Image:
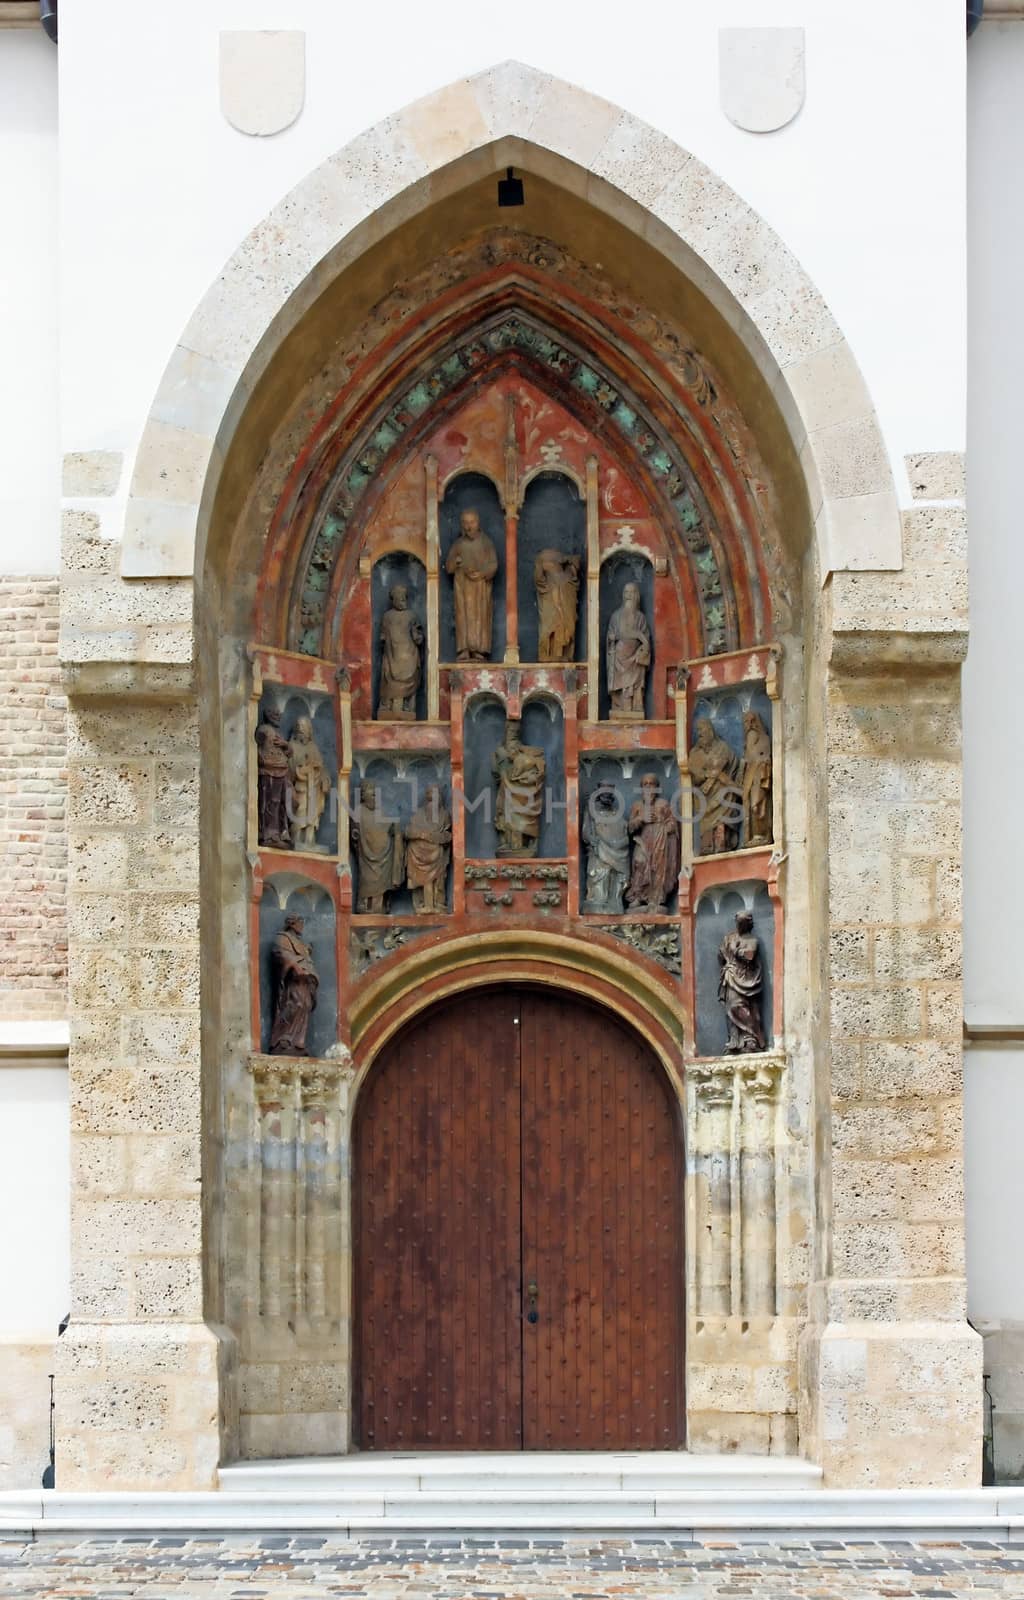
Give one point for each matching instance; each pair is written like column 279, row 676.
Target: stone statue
column 757, row 781
column 606, row 837
column 655, row 834
column 311, row 784
column 273, row 781
column 401, row 641
column 628, row 655
column 556, row 578
column 380, row 853
column 519, row 770
column 472, row 563
column 428, row 850
column 715, row 772
column 295, row 986
column 741, row 986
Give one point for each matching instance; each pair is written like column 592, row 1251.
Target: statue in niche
column 295, row 985
column 401, row 641
column 556, row 578
column 655, row 833
column 428, row 850
column 380, row 853
column 628, row 655
column 273, row 781
column 519, row 770
column 472, row 563
column 310, row 783
column 757, row 781
column 715, row 772
column 606, row 836
column 741, row 987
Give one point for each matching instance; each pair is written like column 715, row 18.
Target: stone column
column 713, row 1188
column 139, row 1371
column 891, row 1372
column 759, row 1091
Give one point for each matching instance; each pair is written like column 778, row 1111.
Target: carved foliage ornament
column 659, row 943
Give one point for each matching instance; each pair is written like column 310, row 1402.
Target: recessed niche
column 484, row 732
column 294, row 704
column 618, row 569
column 553, row 517
column 471, row 491
column 725, row 710
column 401, row 781
column 285, row 895
column 398, row 569
column 625, row 773
column 716, row 916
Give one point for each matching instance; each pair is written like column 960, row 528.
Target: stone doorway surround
column 890, row 1372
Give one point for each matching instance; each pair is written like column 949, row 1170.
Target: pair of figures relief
column 292, row 784
column 735, row 791
column 634, row 856
column 388, row 856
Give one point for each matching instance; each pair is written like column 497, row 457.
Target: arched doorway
column 518, row 1236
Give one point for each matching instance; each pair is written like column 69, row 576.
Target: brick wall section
column 33, row 783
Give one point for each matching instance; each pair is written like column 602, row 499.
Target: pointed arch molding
column 434, row 147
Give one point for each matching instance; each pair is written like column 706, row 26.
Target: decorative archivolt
column 657, row 412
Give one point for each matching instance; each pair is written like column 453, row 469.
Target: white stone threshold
column 748, row 1499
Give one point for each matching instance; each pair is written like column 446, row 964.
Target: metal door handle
column 532, row 1314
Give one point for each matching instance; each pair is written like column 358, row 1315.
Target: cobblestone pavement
column 285, row 1567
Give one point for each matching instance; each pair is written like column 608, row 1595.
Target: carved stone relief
column 556, row 579
column 627, row 656
column 714, row 770
column 401, row 668
column 428, row 853
column 310, row 785
column 296, row 984
column 297, row 972
column 472, row 563
column 273, row 781
column 606, row 837
column 730, row 763
column 380, row 852
column 741, row 987
column 519, row 772
column 757, row 781
column 734, row 952
column 654, row 874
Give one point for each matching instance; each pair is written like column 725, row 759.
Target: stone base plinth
column 25, row 1369
column 139, row 1405
column 892, row 1405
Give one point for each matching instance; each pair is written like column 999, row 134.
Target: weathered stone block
column 89, row 473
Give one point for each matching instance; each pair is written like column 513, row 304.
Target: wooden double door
column 517, row 1207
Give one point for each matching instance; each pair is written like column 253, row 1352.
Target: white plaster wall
column 994, row 674
column 994, row 678
column 29, row 443
column 866, row 185
column 994, row 1121
column 34, row 1201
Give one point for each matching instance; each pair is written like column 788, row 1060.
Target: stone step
column 625, row 1472
column 699, row 1513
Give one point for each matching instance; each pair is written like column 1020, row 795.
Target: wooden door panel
column 508, row 1138
column 436, row 1212
column 602, row 1202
